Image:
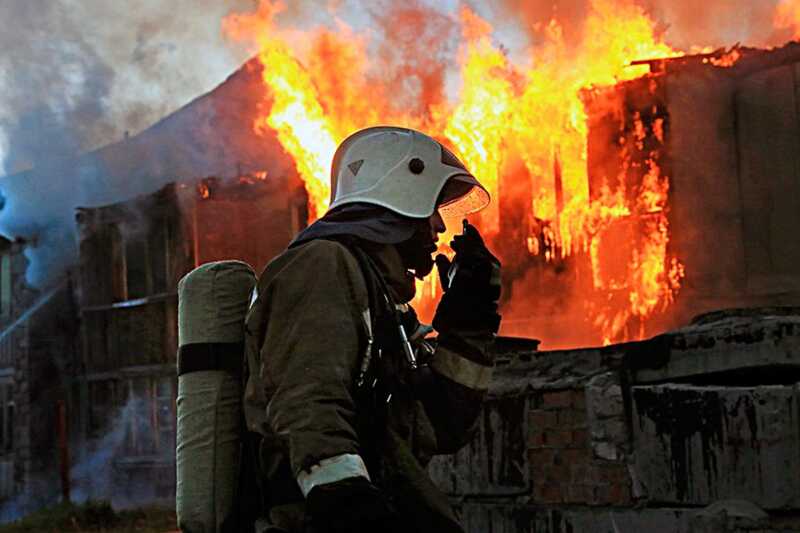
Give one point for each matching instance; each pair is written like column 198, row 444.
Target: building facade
column 38, row 364
column 132, row 255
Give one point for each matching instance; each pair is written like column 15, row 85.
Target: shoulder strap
column 381, row 303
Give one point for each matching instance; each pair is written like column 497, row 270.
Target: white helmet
column 405, row 171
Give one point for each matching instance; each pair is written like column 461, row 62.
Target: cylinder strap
column 226, row 356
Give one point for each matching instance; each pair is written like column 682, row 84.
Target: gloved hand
column 350, row 505
column 470, row 298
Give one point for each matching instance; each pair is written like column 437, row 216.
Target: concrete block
column 606, row 450
column 696, row 445
column 483, row 517
column 605, row 410
column 729, row 515
column 757, row 340
column 496, row 460
column 578, row 519
column 604, row 396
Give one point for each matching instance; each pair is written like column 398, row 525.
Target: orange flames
column 787, row 15
column 326, row 87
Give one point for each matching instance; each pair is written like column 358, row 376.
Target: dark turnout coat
column 308, row 332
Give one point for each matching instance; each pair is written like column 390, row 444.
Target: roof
column 210, row 136
column 740, row 60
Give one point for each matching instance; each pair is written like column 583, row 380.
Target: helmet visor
column 461, row 196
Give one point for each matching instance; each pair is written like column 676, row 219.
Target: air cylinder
column 212, row 303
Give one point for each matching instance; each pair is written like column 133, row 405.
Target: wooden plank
column 704, row 193
column 769, row 162
column 5, row 286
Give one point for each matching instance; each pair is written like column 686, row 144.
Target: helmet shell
column 405, row 171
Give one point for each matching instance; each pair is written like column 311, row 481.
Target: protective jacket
column 309, row 331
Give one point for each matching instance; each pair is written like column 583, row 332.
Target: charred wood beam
column 137, row 302
column 133, row 372
column 29, row 313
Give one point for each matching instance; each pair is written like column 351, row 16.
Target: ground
column 94, row 517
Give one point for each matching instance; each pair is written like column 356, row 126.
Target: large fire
column 787, row 15
column 511, row 123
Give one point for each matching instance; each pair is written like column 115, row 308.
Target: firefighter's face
column 418, row 251
column 437, row 226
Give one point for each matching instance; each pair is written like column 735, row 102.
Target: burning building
column 692, row 185
column 88, row 365
column 629, row 199
column 695, row 429
column 722, row 123
column 132, row 255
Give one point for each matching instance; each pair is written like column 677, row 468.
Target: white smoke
column 92, row 476
column 78, row 74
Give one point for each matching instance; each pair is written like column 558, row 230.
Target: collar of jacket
column 400, row 282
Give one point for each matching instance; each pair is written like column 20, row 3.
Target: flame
column 477, row 125
column 311, row 111
column 787, row 15
column 203, row 191
column 323, row 92
column 727, row 59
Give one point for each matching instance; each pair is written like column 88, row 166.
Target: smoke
column 686, row 25
column 79, row 74
column 92, row 477
column 38, row 494
column 416, row 41
column 95, row 475
column 718, row 23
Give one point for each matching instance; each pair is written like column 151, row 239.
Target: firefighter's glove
column 471, row 284
column 350, row 505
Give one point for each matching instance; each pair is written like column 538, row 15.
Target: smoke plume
column 686, row 25
column 92, row 476
column 76, row 75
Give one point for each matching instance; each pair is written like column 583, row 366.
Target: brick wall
column 566, row 444
column 564, row 465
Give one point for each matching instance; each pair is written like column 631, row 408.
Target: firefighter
column 347, row 395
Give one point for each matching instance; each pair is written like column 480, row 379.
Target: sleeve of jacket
column 462, row 365
column 312, row 348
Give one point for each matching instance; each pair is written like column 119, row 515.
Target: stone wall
column 662, row 435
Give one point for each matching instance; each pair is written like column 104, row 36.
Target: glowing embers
column 728, row 59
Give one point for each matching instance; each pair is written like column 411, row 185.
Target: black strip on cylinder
column 211, row 356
